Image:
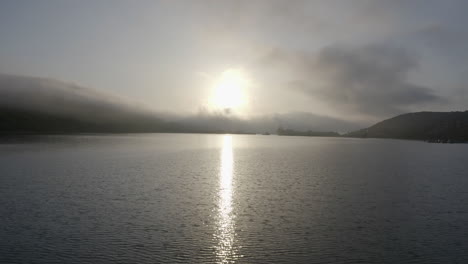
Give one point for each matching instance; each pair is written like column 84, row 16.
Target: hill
column 446, row 127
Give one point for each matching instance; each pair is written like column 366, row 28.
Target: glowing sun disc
column 229, row 92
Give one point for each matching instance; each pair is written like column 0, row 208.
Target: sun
column 230, row 90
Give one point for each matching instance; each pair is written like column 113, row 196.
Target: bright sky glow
column 230, row 90
column 270, row 56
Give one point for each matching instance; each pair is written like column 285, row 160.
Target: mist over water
column 164, row 198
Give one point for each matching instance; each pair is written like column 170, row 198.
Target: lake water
column 164, row 198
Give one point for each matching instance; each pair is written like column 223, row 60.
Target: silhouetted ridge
column 428, row 126
column 28, row 121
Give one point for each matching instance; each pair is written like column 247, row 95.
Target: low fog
column 59, row 104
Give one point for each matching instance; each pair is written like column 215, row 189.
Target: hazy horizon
column 358, row 62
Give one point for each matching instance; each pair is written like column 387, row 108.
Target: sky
column 354, row 60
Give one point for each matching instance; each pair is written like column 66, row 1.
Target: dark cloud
column 372, row 80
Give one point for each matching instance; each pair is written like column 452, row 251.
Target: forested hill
column 447, row 127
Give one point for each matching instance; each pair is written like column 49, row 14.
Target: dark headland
column 440, row 127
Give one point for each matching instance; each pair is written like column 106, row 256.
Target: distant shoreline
column 17, row 137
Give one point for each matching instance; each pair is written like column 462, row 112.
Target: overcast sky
column 354, row 60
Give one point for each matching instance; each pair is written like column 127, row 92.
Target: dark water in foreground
column 223, row 199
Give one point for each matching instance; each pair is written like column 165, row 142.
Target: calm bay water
column 162, row 198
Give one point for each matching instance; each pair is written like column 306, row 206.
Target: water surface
column 163, row 198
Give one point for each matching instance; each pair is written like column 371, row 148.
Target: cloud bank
column 371, row 80
column 62, row 100
column 353, row 60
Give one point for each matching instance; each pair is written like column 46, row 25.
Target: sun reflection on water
column 225, row 225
